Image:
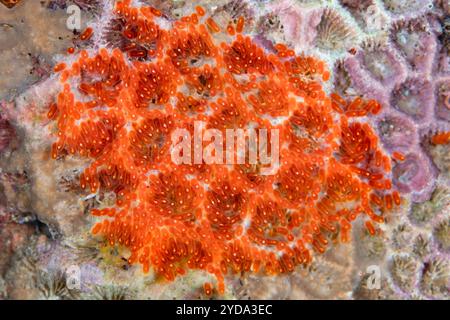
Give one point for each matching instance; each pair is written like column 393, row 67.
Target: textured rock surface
column 394, row 51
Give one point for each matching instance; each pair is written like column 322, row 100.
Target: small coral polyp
column 118, row 108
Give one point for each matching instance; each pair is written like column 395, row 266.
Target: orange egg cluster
column 441, row 138
column 119, row 107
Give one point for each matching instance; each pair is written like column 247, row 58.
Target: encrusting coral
column 118, row 107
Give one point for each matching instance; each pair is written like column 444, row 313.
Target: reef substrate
column 119, row 106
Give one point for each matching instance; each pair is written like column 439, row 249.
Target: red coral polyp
column 119, row 107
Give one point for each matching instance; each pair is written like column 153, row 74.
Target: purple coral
column 363, row 81
column 383, row 63
column 443, row 99
column 415, row 174
column 416, row 44
column 299, row 24
column 414, row 97
column 396, row 131
column 407, row 7
column 404, row 73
